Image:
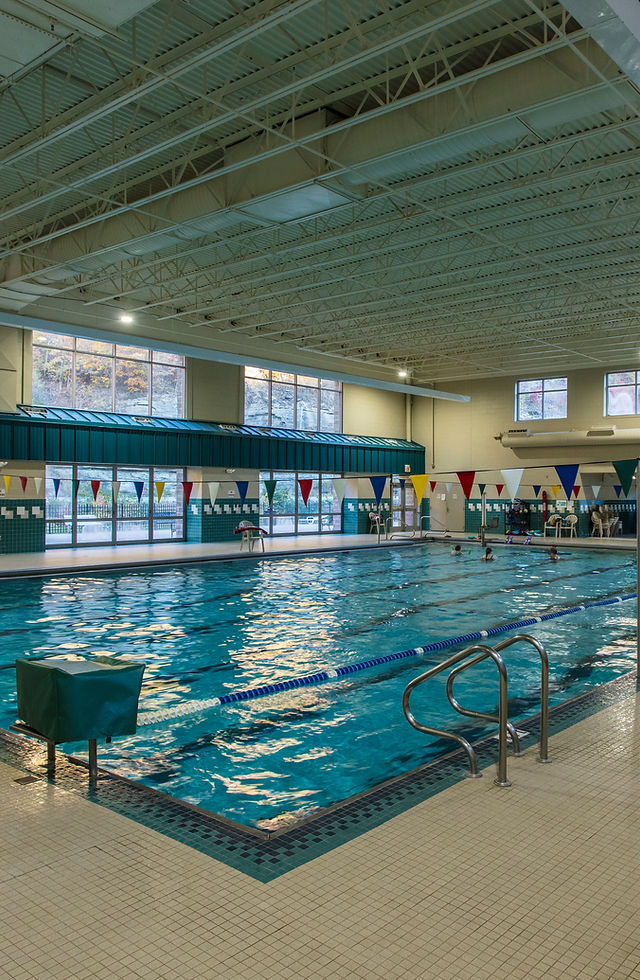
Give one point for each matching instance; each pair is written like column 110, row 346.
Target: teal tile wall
column 624, row 509
column 207, row 522
column 355, row 520
column 21, row 525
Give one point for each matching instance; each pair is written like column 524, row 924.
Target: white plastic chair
column 554, row 522
column 569, row 525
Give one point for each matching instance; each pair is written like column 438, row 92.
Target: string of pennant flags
column 567, row 475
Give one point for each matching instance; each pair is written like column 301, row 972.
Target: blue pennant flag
column 536, row 488
column 567, row 476
column 139, row 485
column 243, row 486
column 378, row 482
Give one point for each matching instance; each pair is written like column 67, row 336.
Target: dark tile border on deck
column 265, row 856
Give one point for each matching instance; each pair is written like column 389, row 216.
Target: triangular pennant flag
column 401, row 481
column 576, row 490
column 305, row 489
column 466, row 478
column 37, row 482
column 617, row 488
column 419, row 482
column 448, row 486
column 115, row 489
column 76, row 487
column 377, row 482
column 95, row 486
column 482, row 487
column 56, row 486
column 23, row 482
column 243, row 486
column 340, row 487
column 187, row 487
column 7, row 482
column 554, row 490
column 433, row 484
column 595, row 490
column 567, row 476
column 512, row 479
column 139, row 487
column 213, row 492
column 536, row 488
column 499, row 488
column 625, row 468
column 160, row 485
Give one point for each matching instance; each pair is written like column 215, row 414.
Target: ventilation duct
column 522, row 438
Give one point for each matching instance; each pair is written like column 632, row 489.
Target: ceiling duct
column 521, row 438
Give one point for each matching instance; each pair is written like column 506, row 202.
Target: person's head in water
column 488, row 555
column 553, row 553
column 457, row 550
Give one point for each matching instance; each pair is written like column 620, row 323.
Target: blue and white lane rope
column 195, row 707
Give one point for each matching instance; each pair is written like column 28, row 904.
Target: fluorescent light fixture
column 125, row 318
column 402, row 374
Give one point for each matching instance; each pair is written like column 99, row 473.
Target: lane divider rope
column 186, row 708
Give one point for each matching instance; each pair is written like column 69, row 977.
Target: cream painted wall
column 463, row 436
column 15, row 368
column 215, row 391
column 373, row 412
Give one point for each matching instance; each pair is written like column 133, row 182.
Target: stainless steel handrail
column 501, row 778
column 544, row 693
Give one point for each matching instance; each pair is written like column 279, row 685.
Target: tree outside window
column 542, row 398
column 71, row 372
column 280, row 400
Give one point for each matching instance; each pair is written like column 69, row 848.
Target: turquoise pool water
column 205, row 630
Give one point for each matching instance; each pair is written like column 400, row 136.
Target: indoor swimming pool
column 210, row 629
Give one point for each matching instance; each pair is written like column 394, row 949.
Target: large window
column 70, row 372
column 544, row 398
column 290, row 515
column 622, row 393
column 126, row 508
column 291, row 401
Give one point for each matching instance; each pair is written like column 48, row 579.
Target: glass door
column 93, row 505
column 404, row 503
column 133, row 516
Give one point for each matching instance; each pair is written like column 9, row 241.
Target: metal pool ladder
column 463, row 661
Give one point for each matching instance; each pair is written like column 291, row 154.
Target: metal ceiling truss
column 414, row 183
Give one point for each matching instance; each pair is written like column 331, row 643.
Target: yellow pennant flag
column 7, row 481
column 420, row 481
column 555, row 490
column 160, row 485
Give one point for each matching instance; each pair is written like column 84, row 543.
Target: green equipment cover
column 77, row 700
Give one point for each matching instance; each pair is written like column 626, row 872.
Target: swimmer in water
column 457, row 551
column 488, row 555
column 553, row 553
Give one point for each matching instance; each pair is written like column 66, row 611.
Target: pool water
column 209, row 629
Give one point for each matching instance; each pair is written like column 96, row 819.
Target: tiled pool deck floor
column 471, row 881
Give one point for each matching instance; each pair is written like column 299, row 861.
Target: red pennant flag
column 576, row 490
column 499, row 488
column 305, row 489
column 95, row 486
column 432, row 484
column 466, row 478
column 23, row 481
column 187, row 486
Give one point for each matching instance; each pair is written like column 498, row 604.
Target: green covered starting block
column 76, row 700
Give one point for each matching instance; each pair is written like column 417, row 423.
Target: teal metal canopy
column 64, row 435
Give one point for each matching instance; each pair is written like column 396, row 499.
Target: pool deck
column 130, row 556
column 538, row 880
column 474, row 882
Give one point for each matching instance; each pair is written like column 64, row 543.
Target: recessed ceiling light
column 402, row 374
column 125, row 318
